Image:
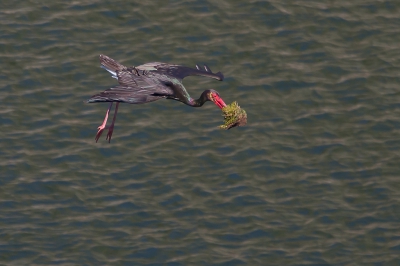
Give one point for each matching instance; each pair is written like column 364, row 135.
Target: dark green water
column 313, row 179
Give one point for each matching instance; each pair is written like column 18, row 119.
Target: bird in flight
column 148, row 83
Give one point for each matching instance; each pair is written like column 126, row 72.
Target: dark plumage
column 151, row 82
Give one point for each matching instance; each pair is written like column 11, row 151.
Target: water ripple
column 312, row 178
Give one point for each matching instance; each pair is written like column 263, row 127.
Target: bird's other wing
column 155, row 84
column 129, row 79
column 111, row 65
column 180, row 72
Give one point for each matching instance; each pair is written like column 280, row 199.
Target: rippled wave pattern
column 313, row 179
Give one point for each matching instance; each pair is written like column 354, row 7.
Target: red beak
column 218, row 101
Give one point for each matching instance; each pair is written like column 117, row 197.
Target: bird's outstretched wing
column 180, row 72
column 176, row 71
column 133, row 89
column 133, row 95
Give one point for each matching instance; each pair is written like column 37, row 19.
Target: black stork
column 151, row 82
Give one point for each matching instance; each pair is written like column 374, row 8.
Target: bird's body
column 151, row 82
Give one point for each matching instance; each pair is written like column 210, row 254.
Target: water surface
column 311, row 180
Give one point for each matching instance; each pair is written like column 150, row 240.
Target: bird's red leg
column 103, row 126
column 111, row 128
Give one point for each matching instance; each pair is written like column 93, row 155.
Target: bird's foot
column 110, row 132
column 100, row 130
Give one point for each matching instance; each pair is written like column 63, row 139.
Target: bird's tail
column 111, row 65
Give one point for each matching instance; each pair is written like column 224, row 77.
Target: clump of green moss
column 234, row 116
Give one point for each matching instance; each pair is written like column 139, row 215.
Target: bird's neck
column 200, row 101
column 196, row 103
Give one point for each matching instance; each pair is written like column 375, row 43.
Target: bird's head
column 213, row 95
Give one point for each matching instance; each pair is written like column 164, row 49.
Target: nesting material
column 234, row 116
